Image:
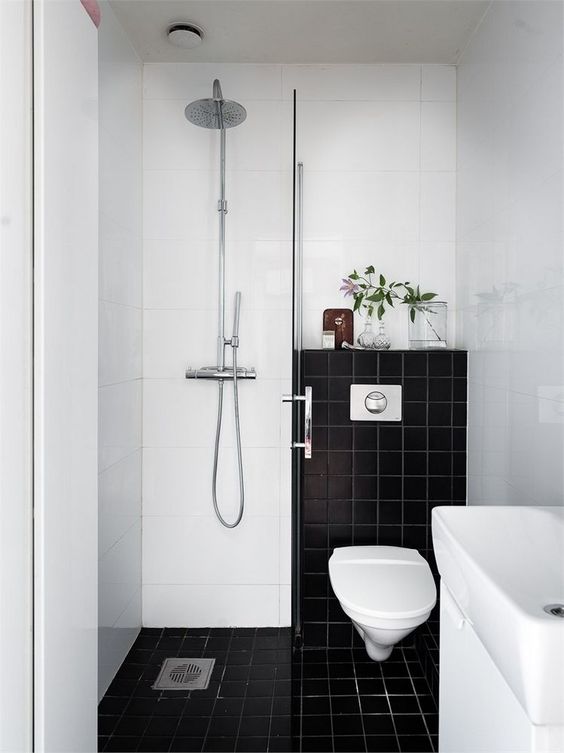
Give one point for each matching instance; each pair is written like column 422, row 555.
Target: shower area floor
column 263, row 696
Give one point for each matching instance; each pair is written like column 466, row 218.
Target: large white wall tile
column 381, row 207
column 199, row 550
column 438, row 136
column 380, row 135
column 120, row 332
column 119, row 494
column 355, row 83
column 438, row 207
column 194, row 81
column 177, row 481
column 438, row 83
column 121, row 272
column 219, row 605
column 183, row 205
column 119, row 417
column 178, row 274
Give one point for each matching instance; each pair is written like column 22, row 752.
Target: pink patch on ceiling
column 93, row 10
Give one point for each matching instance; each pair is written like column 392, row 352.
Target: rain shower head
column 216, row 112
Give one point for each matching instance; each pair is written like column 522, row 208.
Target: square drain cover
column 184, row 674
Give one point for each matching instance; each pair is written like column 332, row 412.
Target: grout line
column 417, row 699
column 358, row 698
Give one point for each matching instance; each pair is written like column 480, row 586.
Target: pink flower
column 349, row 287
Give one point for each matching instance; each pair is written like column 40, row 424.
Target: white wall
column 65, row 381
column 195, row 572
column 120, row 347
column 510, row 285
column 16, row 363
column 378, row 147
column 379, row 150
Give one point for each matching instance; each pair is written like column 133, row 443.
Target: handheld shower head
column 216, row 113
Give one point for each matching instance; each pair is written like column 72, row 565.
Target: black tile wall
column 376, row 483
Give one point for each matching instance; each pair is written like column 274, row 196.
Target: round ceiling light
column 185, row 35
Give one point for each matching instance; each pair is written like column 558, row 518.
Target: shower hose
column 238, row 441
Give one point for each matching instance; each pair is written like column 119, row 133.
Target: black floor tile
column 322, row 744
column 415, row 744
column 252, row 744
column 382, row 744
column 350, row 744
column 151, row 744
column 252, row 726
column 122, row 744
column 187, row 744
column 347, row 724
column 410, row 724
column 264, row 698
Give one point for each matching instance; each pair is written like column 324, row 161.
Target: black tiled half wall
column 377, row 482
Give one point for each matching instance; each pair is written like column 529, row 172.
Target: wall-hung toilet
column 387, row 591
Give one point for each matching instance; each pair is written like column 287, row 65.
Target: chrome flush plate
column 375, row 402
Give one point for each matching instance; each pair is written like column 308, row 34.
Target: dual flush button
column 375, row 402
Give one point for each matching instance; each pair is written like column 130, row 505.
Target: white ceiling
column 305, row 31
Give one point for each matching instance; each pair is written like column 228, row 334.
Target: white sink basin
column 503, row 565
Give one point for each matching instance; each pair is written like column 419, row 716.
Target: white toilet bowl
column 387, row 591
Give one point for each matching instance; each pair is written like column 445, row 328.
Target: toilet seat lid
column 382, row 581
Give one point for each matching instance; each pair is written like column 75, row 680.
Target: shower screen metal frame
column 298, row 407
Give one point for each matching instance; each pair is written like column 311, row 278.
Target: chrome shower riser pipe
column 222, row 209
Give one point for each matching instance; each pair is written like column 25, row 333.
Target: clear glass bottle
column 427, row 325
column 367, row 336
column 371, row 341
column 382, row 341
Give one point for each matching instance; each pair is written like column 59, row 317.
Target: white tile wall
column 509, row 252
column 378, row 147
column 120, row 348
column 379, row 150
column 196, row 572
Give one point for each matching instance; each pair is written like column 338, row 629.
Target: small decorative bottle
column 367, row 337
column 382, row 341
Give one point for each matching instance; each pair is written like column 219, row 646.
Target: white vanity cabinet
column 478, row 712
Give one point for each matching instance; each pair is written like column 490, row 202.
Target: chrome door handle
column 307, row 399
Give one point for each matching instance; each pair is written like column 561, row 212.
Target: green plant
column 375, row 297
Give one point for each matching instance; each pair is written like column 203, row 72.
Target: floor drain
column 556, row 610
column 184, row 674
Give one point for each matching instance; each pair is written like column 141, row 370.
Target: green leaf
column 382, row 280
column 353, row 276
column 389, row 299
column 412, row 314
column 376, row 297
column 428, row 296
column 369, row 270
column 381, row 311
column 357, row 302
column 370, row 310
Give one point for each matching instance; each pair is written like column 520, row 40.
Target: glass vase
column 427, row 325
